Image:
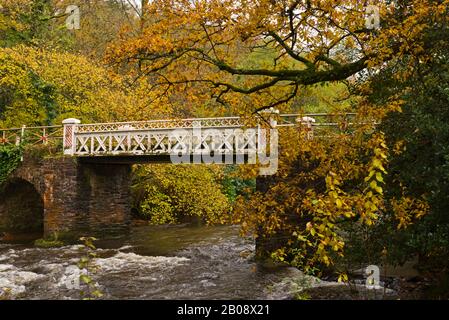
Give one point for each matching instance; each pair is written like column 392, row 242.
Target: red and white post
column 70, row 128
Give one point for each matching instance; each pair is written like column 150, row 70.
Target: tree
column 419, row 159
column 32, row 23
column 100, row 22
column 207, row 48
column 187, row 44
column 43, row 87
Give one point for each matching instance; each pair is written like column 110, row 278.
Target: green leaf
column 85, row 278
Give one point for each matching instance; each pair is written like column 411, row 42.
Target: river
column 153, row 262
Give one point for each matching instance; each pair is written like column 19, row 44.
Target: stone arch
column 21, row 208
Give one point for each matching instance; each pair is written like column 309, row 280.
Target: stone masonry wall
column 80, row 198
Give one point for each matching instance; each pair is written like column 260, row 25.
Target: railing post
column 19, row 139
column 307, row 124
column 70, row 128
column 262, row 139
column 44, row 136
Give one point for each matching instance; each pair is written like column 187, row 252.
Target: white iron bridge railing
column 225, row 135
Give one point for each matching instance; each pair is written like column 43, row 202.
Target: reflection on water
column 154, row 262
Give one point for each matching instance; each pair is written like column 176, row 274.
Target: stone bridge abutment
column 65, row 196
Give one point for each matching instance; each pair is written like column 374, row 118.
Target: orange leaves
column 214, row 45
column 235, row 57
column 406, row 209
column 324, row 184
column 399, row 147
column 372, row 197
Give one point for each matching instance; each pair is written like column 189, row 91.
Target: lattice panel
column 217, row 141
column 162, row 124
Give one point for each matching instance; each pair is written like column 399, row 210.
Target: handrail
column 36, row 127
column 44, row 134
column 287, row 115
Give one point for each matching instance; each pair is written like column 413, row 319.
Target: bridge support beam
column 78, row 199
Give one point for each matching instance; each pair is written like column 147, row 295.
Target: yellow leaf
column 339, row 203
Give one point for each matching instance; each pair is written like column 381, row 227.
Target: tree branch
column 290, row 52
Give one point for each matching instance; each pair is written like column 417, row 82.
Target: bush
column 234, row 185
column 10, row 157
column 157, row 207
column 175, row 193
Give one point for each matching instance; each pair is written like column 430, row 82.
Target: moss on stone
column 48, row 243
column 43, row 243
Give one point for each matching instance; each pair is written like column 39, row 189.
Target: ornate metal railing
column 225, row 122
column 192, row 136
column 199, row 135
column 155, row 142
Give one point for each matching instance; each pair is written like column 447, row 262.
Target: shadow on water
column 166, row 240
column 19, row 238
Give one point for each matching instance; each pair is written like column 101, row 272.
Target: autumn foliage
column 182, row 58
column 206, row 49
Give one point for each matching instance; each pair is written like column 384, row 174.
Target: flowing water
column 154, row 262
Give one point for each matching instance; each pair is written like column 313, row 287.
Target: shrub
column 10, row 157
column 172, row 193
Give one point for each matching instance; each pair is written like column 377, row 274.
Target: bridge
column 84, row 186
column 224, row 135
